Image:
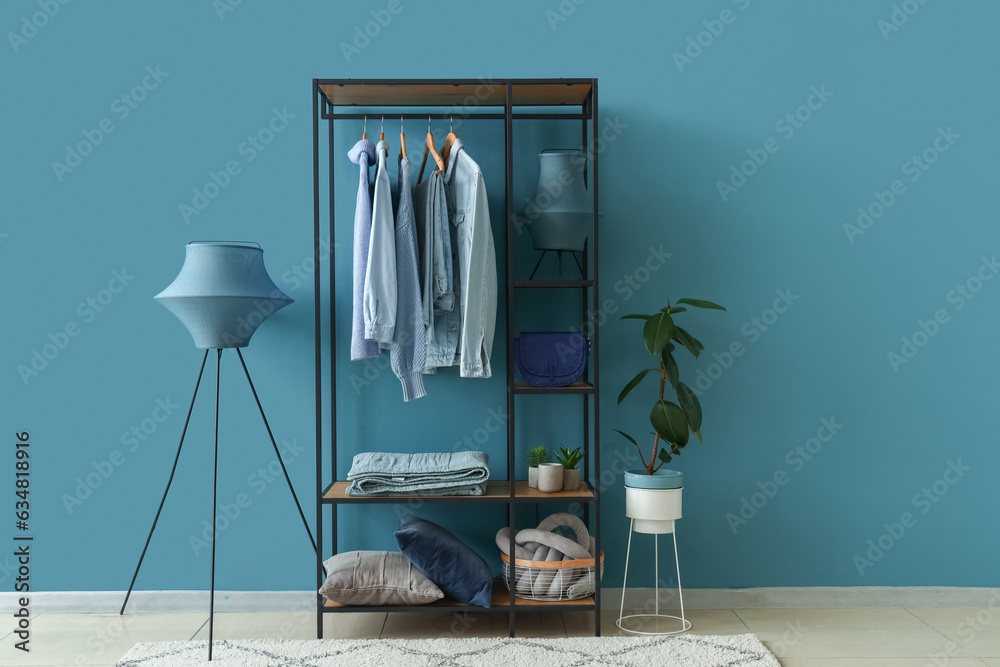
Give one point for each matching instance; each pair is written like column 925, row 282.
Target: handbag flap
column 551, row 358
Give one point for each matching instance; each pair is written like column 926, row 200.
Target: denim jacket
column 476, row 280
column 441, row 318
column 380, row 279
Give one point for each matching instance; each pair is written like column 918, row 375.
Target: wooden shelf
column 459, row 93
column 496, row 491
column 500, row 602
column 575, row 388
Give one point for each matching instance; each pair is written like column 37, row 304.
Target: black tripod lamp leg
column 169, row 482
column 215, row 479
column 278, row 453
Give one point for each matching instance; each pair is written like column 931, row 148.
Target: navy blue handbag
column 551, row 358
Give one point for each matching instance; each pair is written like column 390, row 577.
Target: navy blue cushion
column 444, row 559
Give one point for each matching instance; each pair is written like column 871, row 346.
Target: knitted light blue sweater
column 363, row 154
column 409, row 345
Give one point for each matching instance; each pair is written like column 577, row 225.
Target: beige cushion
column 377, row 578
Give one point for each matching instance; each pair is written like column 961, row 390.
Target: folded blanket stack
column 427, row 474
column 542, row 544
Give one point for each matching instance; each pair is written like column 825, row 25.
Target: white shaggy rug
column 687, row 651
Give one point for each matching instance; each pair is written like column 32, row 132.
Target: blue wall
column 881, row 100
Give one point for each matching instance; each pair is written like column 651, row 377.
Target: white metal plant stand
column 656, row 519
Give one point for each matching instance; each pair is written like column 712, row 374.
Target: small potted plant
column 536, row 457
column 653, row 495
column 571, row 473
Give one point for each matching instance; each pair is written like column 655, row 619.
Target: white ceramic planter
column 550, row 477
column 653, row 510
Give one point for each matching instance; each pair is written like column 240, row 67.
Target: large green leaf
column 689, row 403
column 657, row 332
column 701, row 303
column 636, row 317
column 669, row 421
column 626, row 436
column 633, row 383
column 670, row 366
column 693, row 345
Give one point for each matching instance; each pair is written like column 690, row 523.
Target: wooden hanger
column 402, row 138
column 429, row 148
column 448, row 141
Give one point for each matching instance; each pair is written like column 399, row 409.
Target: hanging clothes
column 362, row 154
column 476, row 277
column 380, row 278
column 408, row 351
column 437, row 262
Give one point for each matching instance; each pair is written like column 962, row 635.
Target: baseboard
column 107, row 602
column 825, row 597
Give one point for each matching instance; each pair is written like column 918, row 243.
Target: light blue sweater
column 409, row 346
column 363, row 154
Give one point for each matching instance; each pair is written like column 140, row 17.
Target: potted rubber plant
column 536, row 457
column 570, row 459
column 653, row 493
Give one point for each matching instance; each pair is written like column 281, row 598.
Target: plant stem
column 650, row 469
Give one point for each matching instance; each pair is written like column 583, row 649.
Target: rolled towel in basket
column 432, row 474
column 534, row 544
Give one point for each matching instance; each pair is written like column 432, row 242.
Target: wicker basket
column 552, row 580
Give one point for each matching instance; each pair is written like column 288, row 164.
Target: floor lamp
column 222, row 294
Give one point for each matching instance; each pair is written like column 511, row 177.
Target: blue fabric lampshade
column 223, row 293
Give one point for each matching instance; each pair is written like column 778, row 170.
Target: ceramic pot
column 653, row 502
column 532, row 477
column 560, row 215
column 571, row 479
column 550, row 477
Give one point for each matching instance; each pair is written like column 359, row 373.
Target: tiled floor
column 798, row 637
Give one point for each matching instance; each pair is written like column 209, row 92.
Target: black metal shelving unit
column 509, row 100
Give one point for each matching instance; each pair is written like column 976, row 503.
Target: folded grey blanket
column 432, row 474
